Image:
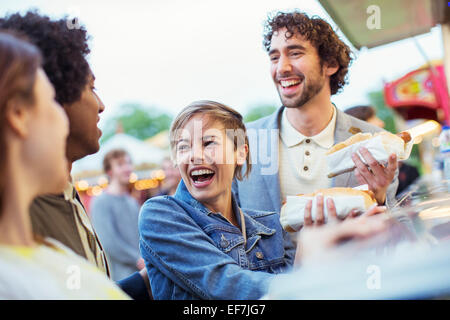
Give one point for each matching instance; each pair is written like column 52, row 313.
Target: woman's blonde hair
column 230, row 118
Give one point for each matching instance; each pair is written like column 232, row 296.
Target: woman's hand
column 372, row 211
column 140, row 264
column 314, row 241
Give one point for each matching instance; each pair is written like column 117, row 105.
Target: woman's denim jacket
column 193, row 253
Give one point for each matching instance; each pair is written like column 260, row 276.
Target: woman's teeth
column 202, row 175
column 201, row 172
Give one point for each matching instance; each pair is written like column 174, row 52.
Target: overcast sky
column 172, row 52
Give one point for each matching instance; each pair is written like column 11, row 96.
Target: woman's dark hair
column 361, row 112
column 19, row 62
column 63, row 49
column 330, row 48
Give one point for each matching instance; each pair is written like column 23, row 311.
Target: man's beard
column 311, row 89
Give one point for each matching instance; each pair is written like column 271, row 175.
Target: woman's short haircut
column 231, row 120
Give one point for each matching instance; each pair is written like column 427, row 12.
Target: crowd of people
column 214, row 235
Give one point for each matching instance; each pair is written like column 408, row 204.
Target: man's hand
column 377, row 176
column 320, row 215
column 332, row 214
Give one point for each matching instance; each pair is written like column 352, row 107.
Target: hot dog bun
column 369, row 197
column 353, row 139
column 389, row 140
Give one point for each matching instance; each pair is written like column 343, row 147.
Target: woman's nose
column 196, row 156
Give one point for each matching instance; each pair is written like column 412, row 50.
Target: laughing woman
column 198, row 244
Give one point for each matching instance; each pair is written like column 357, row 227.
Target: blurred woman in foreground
column 33, row 132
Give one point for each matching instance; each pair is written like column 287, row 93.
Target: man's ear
column 242, row 153
column 330, row 69
column 17, row 117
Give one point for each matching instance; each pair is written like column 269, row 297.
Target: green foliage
column 138, row 121
column 258, row 112
column 383, row 112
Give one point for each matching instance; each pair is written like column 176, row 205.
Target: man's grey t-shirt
column 115, row 219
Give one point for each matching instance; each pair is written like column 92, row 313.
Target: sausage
column 405, row 136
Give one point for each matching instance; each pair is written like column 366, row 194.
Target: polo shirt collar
column 291, row 137
column 69, row 192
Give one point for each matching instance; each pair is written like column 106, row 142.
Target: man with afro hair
column 63, row 216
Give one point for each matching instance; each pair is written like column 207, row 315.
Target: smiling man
column 308, row 64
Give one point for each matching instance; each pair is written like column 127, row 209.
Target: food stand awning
column 398, row 19
column 372, row 23
column 140, row 153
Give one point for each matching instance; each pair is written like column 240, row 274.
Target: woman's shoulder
column 49, row 271
column 160, row 202
column 260, row 213
column 162, row 208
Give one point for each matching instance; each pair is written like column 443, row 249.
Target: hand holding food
column 381, row 145
column 306, row 209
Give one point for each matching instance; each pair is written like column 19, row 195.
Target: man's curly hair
column 330, row 48
column 63, row 50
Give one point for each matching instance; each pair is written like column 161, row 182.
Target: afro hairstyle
column 63, row 50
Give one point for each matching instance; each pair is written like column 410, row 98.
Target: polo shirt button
column 307, row 153
column 259, row 255
column 308, row 140
column 305, row 168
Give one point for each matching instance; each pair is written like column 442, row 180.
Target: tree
column 138, row 121
column 258, row 112
column 385, row 113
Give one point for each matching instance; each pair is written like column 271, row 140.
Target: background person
column 33, row 132
column 172, row 178
column 365, row 113
column 115, row 216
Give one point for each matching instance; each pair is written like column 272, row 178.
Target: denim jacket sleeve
column 290, row 249
column 173, row 243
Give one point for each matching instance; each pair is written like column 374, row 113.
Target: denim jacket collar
column 253, row 227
